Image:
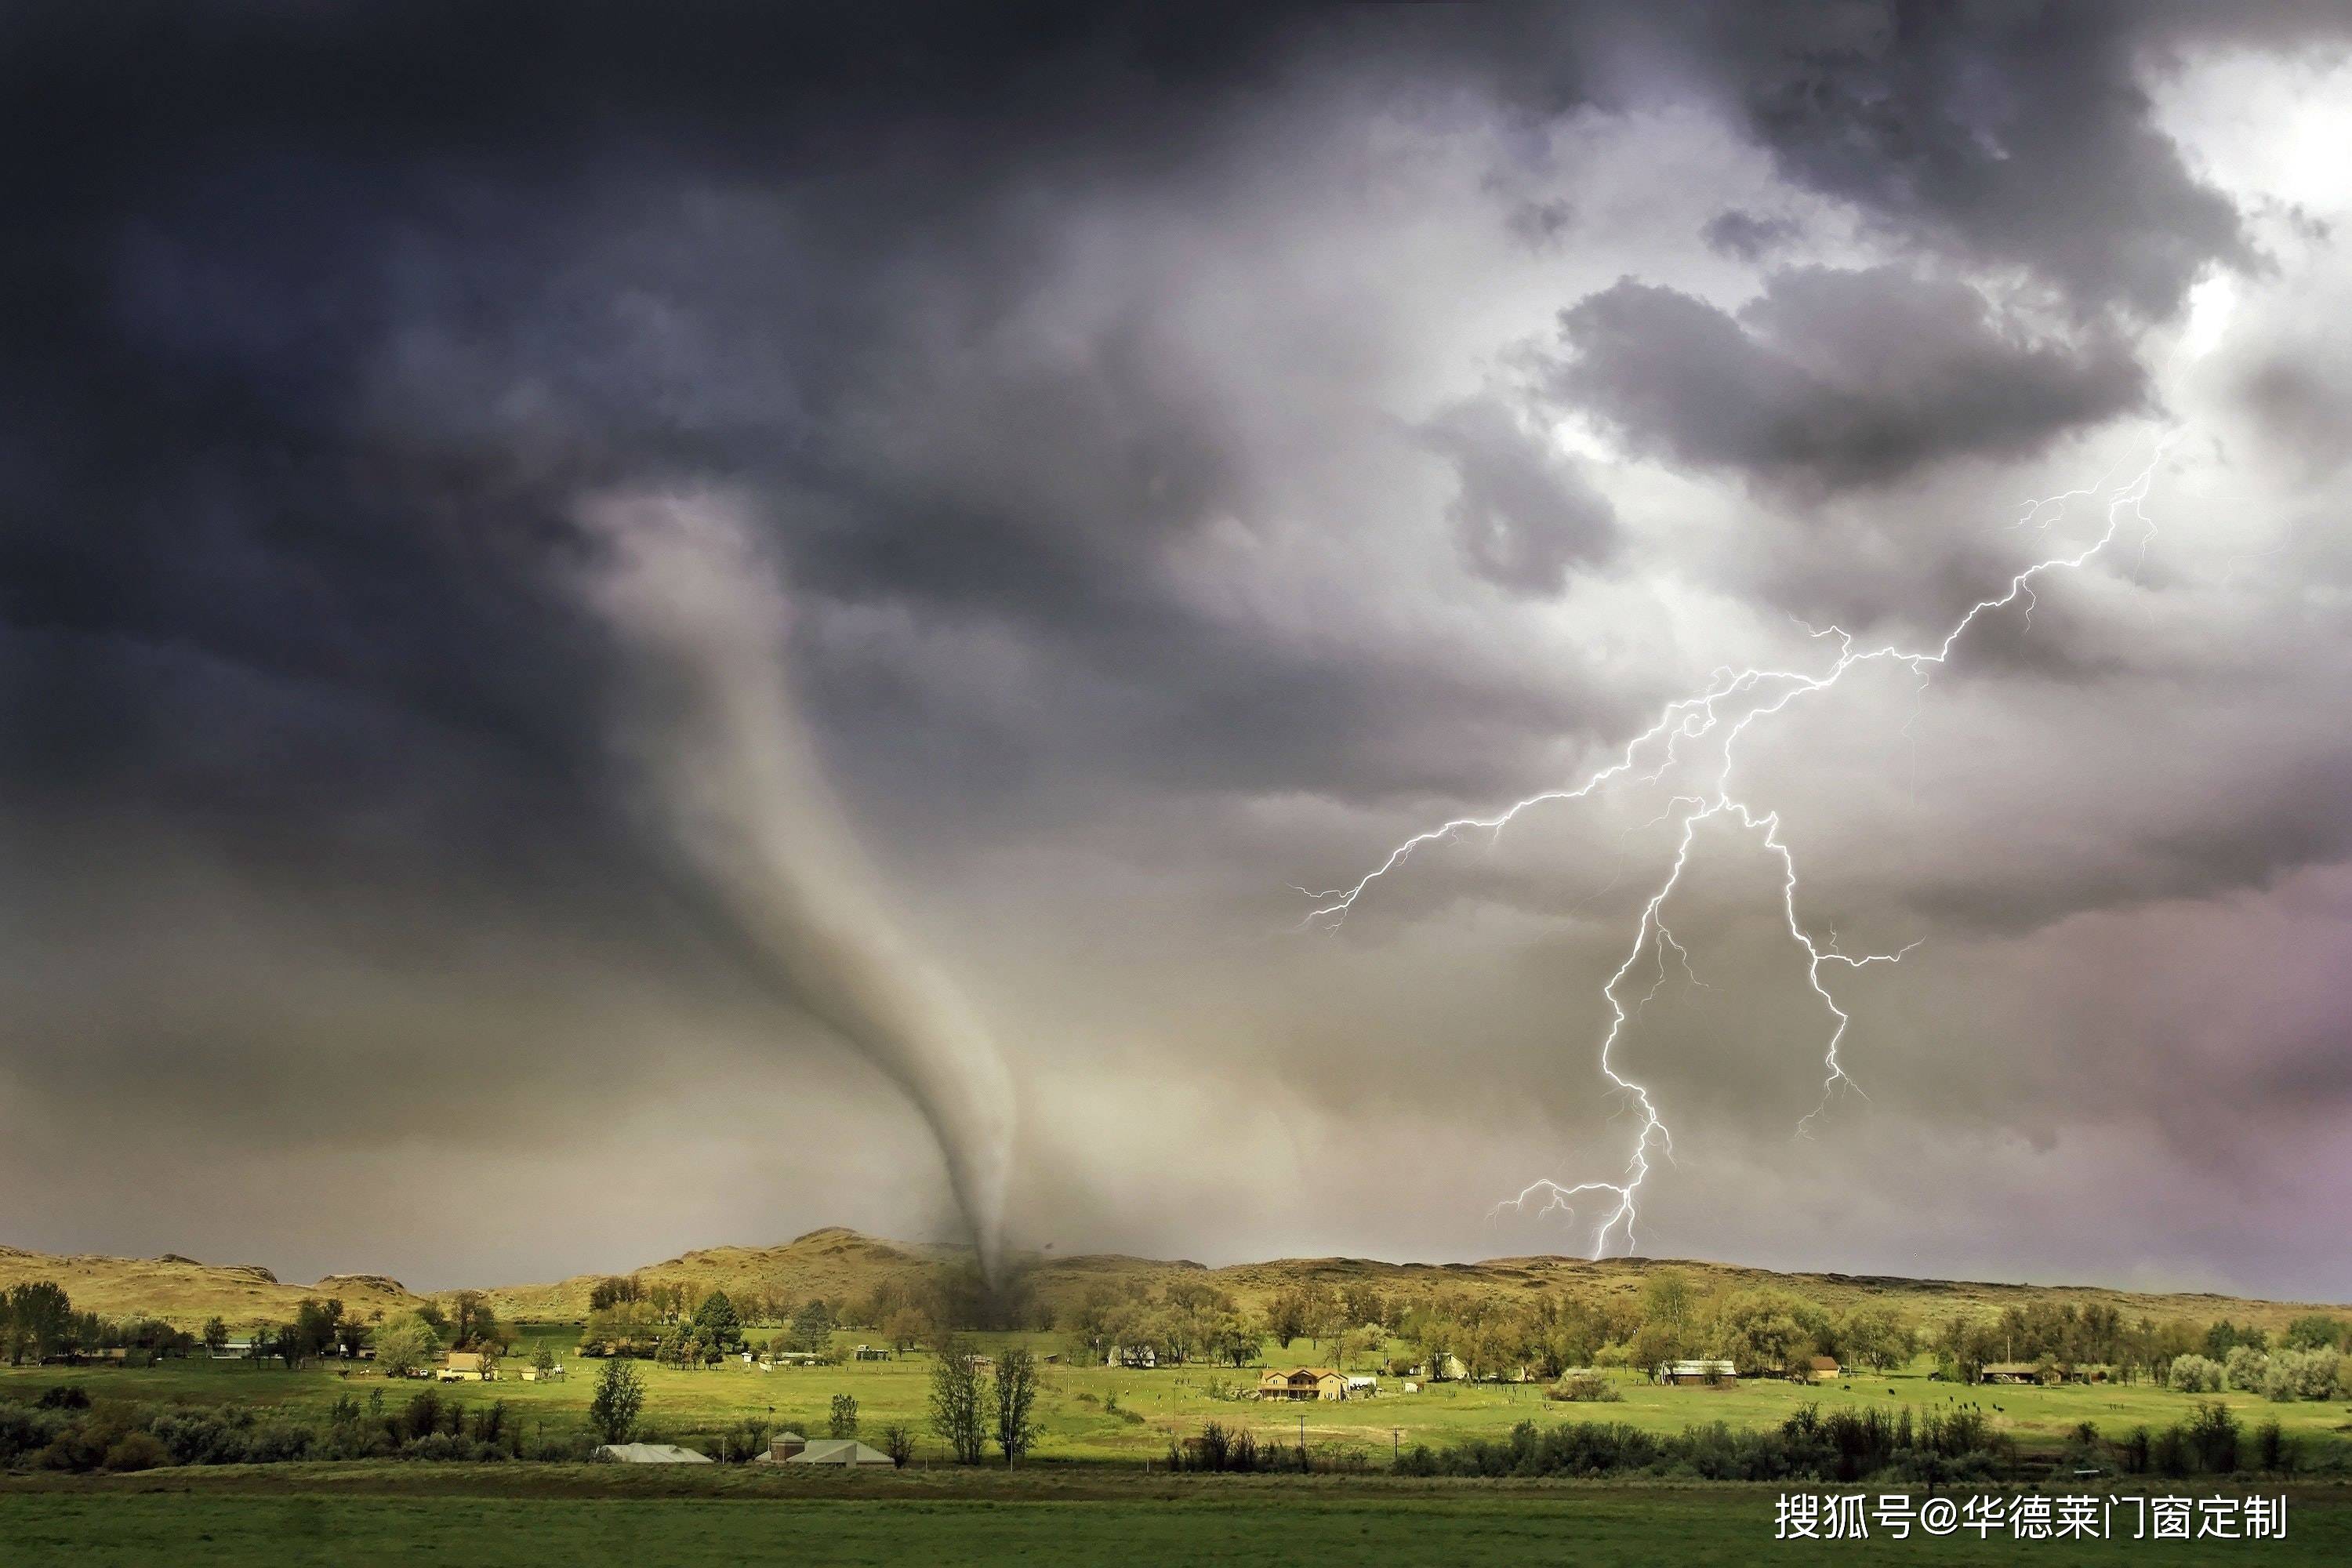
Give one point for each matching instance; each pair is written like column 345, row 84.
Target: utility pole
column 1396, row 1447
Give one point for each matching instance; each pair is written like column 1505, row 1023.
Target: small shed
column 1819, row 1368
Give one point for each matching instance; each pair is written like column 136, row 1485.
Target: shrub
column 745, row 1442
column 899, row 1442
column 1844, row 1445
column 2274, row 1451
column 24, row 1429
column 405, row 1344
column 2194, row 1374
column 65, row 1396
column 136, row 1451
column 2245, row 1368
column 2213, row 1432
column 423, row 1416
column 2302, row 1374
column 1583, row 1387
column 279, row 1443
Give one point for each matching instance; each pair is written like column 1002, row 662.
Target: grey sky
column 1201, row 452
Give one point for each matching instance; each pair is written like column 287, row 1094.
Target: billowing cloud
column 1522, row 513
column 1832, row 380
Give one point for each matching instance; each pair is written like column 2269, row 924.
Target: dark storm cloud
column 1831, row 379
column 324, row 321
column 1522, row 513
column 2008, row 133
column 1746, row 234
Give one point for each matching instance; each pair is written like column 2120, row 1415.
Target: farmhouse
column 1710, row 1373
column 2010, row 1371
column 468, row 1366
column 652, row 1454
column 1303, row 1382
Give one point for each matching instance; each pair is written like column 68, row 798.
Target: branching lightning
column 1732, row 702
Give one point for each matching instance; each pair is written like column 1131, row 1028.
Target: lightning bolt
column 1732, row 702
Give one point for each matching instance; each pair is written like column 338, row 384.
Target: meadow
column 295, row 1517
column 1119, row 1416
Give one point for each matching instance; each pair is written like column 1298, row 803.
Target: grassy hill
column 841, row 1264
column 186, row 1292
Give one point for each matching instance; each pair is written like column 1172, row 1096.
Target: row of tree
column 38, row 1323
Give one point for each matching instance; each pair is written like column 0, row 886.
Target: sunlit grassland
column 1093, row 1413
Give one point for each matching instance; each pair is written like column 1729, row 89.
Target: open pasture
column 1119, row 1415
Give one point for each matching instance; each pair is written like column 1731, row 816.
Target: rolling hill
column 186, row 1292
column 841, row 1264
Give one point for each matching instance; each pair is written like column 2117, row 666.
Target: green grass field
column 297, row 1516
column 1115, row 1415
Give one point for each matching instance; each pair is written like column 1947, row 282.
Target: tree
column 718, row 1323
column 812, row 1330
column 899, row 1442
column 905, row 1329
column 405, row 1343
column 843, row 1421
column 39, row 1320
column 1668, row 1299
column 1233, row 1341
column 542, row 1359
column 1654, row 1344
column 615, row 1289
column 312, row 1332
column 215, row 1336
column 2316, row 1332
column 956, row 1401
column 612, row 1413
column 1015, row 1404
column 473, row 1326
column 2226, row 1336
column 1874, row 1337
column 1764, row 1331
column 1286, row 1316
